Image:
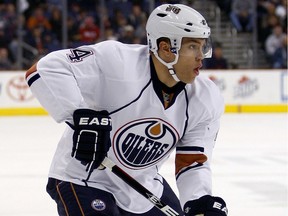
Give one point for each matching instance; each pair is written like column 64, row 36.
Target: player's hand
column 91, row 138
column 207, row 206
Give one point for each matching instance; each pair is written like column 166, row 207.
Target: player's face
column 190, row 59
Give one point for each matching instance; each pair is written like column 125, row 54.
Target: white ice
column 250, row 164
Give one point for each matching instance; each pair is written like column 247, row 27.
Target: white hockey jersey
column 120, row 78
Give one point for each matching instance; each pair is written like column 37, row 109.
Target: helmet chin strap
column 169, row 65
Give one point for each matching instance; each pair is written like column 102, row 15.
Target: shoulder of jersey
column 126, row 59
column 106, row 50
column 120, row 51
column 208, row 95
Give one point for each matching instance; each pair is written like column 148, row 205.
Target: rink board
column 244, row 91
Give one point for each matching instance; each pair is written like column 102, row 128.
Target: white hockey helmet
column 175, row 21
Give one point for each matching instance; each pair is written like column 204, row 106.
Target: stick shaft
column 166, row 209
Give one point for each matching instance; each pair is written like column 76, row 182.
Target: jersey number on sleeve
column 77, row 55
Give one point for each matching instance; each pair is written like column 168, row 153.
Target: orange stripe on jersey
column 31, row 70
column 184, row 160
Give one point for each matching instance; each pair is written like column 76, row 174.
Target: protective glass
column 195, row 49
column 207, row 48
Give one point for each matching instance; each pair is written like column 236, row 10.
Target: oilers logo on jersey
column 142, row 143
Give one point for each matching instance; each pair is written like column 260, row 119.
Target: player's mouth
column 197, row 70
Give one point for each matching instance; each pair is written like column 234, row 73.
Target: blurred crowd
column 272, row 30
column 88, row 21
column 271, row 27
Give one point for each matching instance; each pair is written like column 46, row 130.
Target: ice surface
column 250, row 164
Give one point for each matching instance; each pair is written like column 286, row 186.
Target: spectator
column 274, row 41
column 75, row 12
column 138, row 19
column 8, row 23
column 103, row 12
column 10, row 20
column 217, row 61
column 118, row 21
column 127, row 35
column 281, row 12
column 56, row 23
column 89, row 32
column 140, row 32
column 38, row 19
column 137, row 16
column 72, row 29
column 266, row 28
column 241, row 15
column 4, row 40
column 279, row 59
column 50, row 43
column 5, row 44
column 35, row 38
column 224, row 5
column 109, row 34
column 5, row 63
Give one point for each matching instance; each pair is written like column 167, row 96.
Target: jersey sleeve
column 54, row 81
column 88, row 77
column 194, row 150
column 193, row 172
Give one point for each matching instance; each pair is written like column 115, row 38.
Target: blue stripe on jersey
column 190, row 148
column 187, row 114
column 133, row 101
column 188, row 168
column 33, row 79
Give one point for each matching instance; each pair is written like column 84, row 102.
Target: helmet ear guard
column 169, row 65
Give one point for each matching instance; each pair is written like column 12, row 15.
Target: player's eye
column 194, row 46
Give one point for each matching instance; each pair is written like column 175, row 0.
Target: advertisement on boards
column 240, row 88
column 14, row 91
column 251, row 86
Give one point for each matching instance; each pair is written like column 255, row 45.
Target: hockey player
column 134, row 104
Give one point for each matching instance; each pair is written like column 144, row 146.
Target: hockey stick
column 166, row 209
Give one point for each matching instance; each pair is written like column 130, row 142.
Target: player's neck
column 163, row 73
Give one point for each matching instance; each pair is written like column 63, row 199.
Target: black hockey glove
column 91, row 138
column 207, row 205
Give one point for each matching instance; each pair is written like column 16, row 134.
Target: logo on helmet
column 173, row 9
column 203, row 22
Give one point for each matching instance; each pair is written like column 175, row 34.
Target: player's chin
column 192, row 76
column 188, row 77
column 189, row 80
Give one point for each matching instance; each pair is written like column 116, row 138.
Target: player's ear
column 164, row 51
column 165, row 47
